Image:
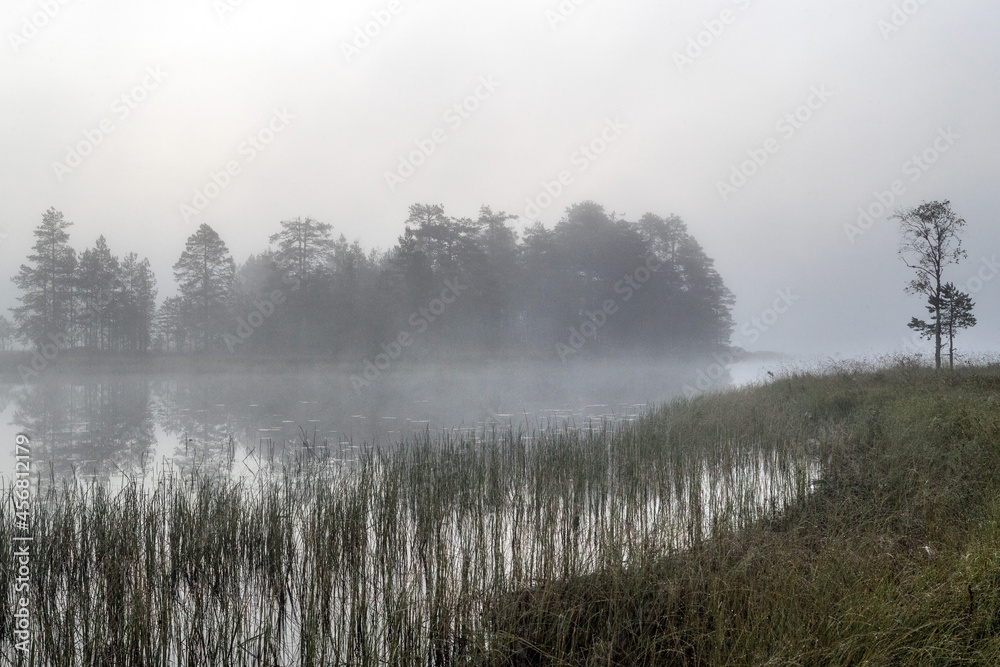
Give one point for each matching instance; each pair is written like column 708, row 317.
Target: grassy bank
column 691, row 537
column 895, row 559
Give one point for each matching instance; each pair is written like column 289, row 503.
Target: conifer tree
column 46, row 312
column 205, row 274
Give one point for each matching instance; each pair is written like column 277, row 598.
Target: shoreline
column 74, row 361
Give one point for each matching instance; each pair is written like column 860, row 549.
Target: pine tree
column 46, row 311
column 495, row 277
column 354, row 277
column 305, row 248
column 445, row 241
column 304, row 257
column 99, row 296
column 205, row 274
column 139, row 307
column 952, row 310
column 171, row 327
column 931, row 242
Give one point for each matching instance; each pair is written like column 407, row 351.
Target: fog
column 96, row 424
column 895, row 75
column 443, row 331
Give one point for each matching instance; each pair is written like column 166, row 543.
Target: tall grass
column 817, row 520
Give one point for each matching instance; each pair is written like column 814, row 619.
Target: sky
column 769, row 126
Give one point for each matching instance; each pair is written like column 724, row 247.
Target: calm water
column 101, row 425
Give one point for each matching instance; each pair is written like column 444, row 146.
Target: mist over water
column 99, row 424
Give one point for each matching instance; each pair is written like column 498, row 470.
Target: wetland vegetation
column 842, row 518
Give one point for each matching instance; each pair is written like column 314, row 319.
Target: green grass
column 696, row 536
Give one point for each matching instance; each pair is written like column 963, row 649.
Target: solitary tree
column 930, row 243
column 204, row 274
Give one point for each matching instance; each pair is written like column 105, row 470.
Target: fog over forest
column 784, row 135
column 615, row 284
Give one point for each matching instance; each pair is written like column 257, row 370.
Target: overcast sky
column 310, row 114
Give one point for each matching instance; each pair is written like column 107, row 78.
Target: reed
column 837, row 518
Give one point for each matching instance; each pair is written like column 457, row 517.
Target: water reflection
column 85, row 426
column 102, row 425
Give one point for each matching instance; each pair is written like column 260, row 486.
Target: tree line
column 94, row 299
column 449, row 285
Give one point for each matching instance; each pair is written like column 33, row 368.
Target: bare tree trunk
column 951, row 346
column 937, row 322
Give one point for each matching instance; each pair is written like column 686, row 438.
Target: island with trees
column 594, row 284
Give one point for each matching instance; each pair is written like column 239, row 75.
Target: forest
column 595, row 283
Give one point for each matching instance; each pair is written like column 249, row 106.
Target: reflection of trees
column 255, row 407
column 267, row 414
column 188, row 409
column 96, row 424
column 7, row 394
column 89, row 425
column 204, row 412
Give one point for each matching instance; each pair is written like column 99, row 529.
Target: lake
column 98, row 425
